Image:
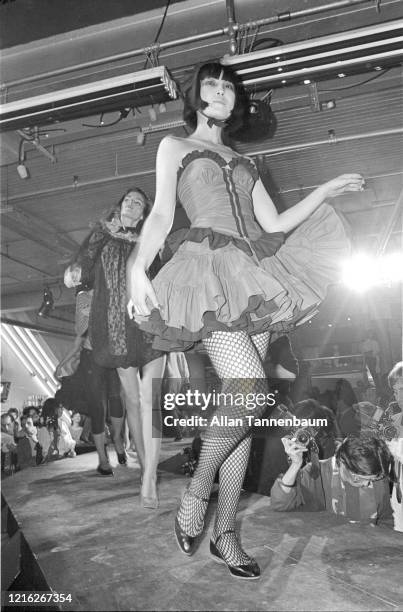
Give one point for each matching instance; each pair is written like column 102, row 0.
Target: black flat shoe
column 122, row 458
column 105, row 471
column 251, row 571
column 186, row 543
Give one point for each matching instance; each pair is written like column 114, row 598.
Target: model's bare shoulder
column 172, row 148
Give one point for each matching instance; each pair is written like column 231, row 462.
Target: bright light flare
column 363, row 271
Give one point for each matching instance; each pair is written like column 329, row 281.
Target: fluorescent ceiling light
column 140, row 88
column 349, row 52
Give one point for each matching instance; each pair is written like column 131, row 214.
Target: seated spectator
column 15, row 415
column 33, row 412
column 8, row 445
column 28, row 444
column 65, row 445
column 353, row 483
column 75, row 428
column 57, row 418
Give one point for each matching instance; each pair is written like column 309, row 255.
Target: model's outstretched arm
column 272, row 221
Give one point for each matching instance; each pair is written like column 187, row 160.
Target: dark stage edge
column 89, row 536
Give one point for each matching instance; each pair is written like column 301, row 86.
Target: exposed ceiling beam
column 26, row 225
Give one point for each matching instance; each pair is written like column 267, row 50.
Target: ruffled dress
column 230, row 275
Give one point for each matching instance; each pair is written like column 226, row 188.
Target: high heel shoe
column 105, row 471
column 149, row 502
column 249, row 571
column 187, row 543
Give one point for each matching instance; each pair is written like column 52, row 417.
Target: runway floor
column 91, row 538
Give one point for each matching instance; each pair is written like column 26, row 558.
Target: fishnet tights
column 237, row 359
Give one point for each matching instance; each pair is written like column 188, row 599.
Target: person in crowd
column 116, row 341
column 93, row 387
column 76, row 428
column 395, row 409
column 8, row 444
column 229, row 284
column 347, row 419
column 29, row 452
column 65, row 444
column 15, row 415
column 353, row 483
column 371, row 352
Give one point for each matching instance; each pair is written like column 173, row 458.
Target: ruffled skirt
column 211, row 285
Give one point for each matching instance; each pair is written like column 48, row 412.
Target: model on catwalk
column 232, row 282
column 116, row 341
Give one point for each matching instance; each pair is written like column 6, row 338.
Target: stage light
column 47, row 303
column 364, row 271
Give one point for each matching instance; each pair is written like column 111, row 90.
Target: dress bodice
column 217, row 193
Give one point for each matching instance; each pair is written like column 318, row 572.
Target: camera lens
column 302, row 437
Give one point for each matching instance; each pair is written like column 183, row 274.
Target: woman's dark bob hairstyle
column 193, row 102
column 366, row 456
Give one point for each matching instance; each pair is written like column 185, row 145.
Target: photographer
column 353, row 483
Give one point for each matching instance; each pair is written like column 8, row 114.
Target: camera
column 305, row 436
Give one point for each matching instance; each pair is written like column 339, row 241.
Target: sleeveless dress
column 230, row 275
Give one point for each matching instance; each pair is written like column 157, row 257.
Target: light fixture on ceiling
column 21, row 168
column 355, row 51
column 137, row 89
column 47, row 303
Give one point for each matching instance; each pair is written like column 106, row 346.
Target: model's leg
column 95, row 395
column 151, row 423
column 238, row 365
column 116, row 412
column 130, row 381
column 231, row 478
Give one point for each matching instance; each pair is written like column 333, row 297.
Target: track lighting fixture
column 21, row 168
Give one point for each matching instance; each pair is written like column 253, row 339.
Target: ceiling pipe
column 234, row 27
column 78, row 185
column 331, row 140
column 267, row 152
column 35, row 143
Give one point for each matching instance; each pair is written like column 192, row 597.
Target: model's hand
column 294, row 451
column 342, row 184
column 58, row 373
column 142, row 295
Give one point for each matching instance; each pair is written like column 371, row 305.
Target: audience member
column 8, row 444
column 353, row 483
column 76, row 428
column 347, row 421
column 395, row 410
